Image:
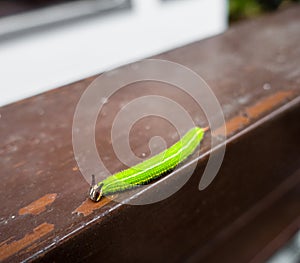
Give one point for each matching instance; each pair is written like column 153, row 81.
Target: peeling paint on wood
column 234, row 124
column 7, row 250
column 268, row 103
column 88, row 206
column 19, row 164
column 39, row 205
column 255, row 111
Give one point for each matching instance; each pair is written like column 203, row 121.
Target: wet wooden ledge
column 253, row 69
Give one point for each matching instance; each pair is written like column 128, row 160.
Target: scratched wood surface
column 253, row 70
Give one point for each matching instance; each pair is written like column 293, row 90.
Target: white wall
column 35, row 63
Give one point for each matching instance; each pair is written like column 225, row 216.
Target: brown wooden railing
column 248, row 212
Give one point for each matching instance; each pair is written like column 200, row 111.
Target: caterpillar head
column 95, row 190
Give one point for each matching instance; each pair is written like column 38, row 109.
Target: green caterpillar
column 150, row 169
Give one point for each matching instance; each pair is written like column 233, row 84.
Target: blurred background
column 46, row 44
column 239, row 9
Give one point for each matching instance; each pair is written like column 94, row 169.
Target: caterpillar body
column 150, row 169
